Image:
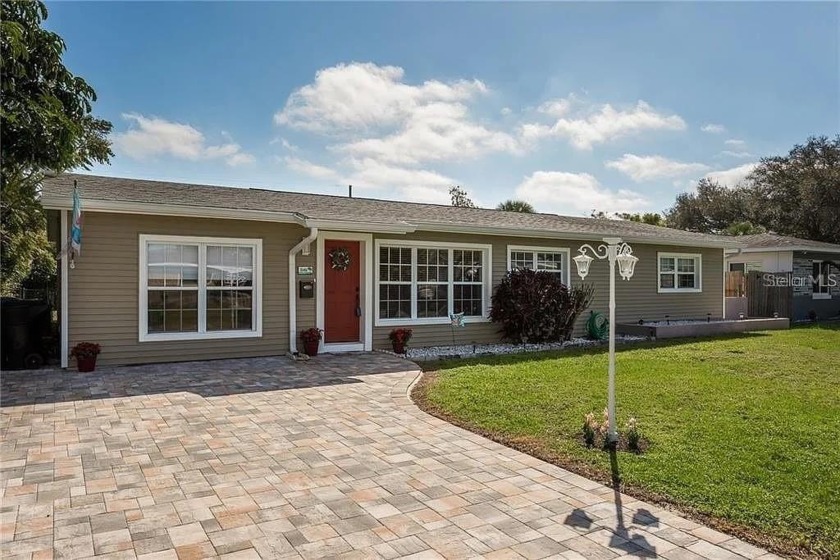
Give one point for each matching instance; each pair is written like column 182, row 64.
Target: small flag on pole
column 76, row 227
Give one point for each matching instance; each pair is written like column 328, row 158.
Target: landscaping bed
column 700, row 327
column 742, row 429
column 459, row 351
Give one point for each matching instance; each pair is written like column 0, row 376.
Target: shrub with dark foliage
column 534, row 307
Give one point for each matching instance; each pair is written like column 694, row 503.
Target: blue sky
column 572, row 106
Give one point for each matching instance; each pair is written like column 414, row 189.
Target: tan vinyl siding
column 104, row 286
column 636, row 299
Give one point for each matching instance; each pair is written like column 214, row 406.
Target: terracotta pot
column 399, row 347
column 86, row 364
column 311, row 348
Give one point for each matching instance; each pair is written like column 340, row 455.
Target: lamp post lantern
column 620, row 253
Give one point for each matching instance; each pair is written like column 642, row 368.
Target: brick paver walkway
column 265, row 458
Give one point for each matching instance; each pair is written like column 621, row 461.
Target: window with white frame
column 546, row 259
column 194, row 288
column 679, row 272
column 419, row 283
column 821, row 280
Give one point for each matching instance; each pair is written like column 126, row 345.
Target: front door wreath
column 340, row 258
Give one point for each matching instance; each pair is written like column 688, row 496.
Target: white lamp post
column 617, row 252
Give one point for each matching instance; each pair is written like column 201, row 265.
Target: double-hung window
column 820, row 278
column 679, row 272
column 199, row 287
column 547, row 259
column 426, row 283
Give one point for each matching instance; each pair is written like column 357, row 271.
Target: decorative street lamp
column 617, row 252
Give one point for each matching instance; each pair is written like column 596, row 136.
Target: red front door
column 342, row 303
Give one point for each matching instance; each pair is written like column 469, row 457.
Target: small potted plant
column 399, row 339
column 311, row 339
column 85, row 354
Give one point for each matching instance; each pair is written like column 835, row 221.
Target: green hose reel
column 597, row 326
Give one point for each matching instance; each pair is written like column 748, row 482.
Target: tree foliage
column 516, row 206
column 797, row 194
column 711, row 209
column 460, row 198
column 47, row 125
column 651, row 218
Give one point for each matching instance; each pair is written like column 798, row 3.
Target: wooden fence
column 765, row 297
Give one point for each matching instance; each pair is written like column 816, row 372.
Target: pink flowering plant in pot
column 85, row 354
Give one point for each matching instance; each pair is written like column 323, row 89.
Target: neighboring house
column 814, row 268
column 182, row 272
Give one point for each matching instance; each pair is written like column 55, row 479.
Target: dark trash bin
column 24, row 332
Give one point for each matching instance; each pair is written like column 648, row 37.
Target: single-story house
column 813, row 267
column 172, row 271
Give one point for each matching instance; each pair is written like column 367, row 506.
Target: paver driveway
column 268, row 458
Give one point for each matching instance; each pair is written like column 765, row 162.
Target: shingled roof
column 775, row 242
column 100, row 193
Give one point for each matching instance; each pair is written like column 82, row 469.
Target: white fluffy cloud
column 643, row 168
column 379, row 179
column 576, row 193
column 370, row 111
column 309, row 169
column 362, row 95
column 731, row 177
column 736, row 154
column 712, row 128
column 153, row 136
column 734, row 142
column 588, row 126
column 435, row 132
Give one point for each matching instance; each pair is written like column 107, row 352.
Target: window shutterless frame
column 698, row 273
column 533, row 251
column 202, row 243
column 487, row 281
column 820, row 272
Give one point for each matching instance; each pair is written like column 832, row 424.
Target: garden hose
column 597, row 326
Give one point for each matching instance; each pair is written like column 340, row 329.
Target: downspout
column 313, row 234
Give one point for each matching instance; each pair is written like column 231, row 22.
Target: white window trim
column 675, row 290
column 487, row 281
column 820, row 295
column 567, row 257
column 143, row 315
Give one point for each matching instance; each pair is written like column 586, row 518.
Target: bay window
column 198, row 287
column 425, row 283
column 679, row 272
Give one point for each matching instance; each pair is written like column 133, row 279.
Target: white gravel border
column 462, row 351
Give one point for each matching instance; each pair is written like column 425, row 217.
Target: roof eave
column 179, row 210
column 559, row 234
column 802, row 249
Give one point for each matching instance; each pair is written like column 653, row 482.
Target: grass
column 743, row 430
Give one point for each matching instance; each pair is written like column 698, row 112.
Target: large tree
column 711, row 209
column 46, row 125
column 796, row 194
column 516, row 206
column 799, row 194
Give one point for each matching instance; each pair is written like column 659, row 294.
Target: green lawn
column 743, row 429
